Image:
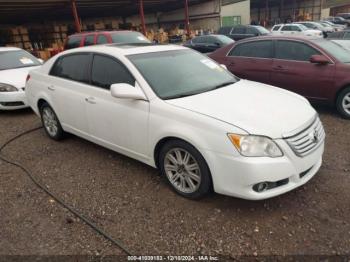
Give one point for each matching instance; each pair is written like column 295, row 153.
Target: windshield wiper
column 222, row 85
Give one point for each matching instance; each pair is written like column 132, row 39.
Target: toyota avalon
column 179, row 111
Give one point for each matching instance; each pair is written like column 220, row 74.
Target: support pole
column 266, row 12
column 187, row 19
column 76, row 17
column 142, row 16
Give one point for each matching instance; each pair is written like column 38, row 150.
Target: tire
column 343, row 103
column 51, row 124
column 188, row 173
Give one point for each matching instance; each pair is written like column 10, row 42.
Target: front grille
column 307, row 140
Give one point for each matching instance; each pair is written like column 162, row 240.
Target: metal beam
column 76, row 17
column 187, row 19
column 142, row 16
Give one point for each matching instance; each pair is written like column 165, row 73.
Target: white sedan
column 175, row 109
column 296, row 30
column 15, row 64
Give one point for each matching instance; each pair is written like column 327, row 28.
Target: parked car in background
column 338, row 20
column 346, row 16
column 295, row 29
column 15, row 64
column 175, row 109
column 341, row 35
column 104, row 37
column 239, row 32
column 317, row 26
column 335, row 26
column 315, row 68
column 208, row 43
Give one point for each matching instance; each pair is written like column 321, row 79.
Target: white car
column 173, row 108
column 15, row 64
column 295, row 29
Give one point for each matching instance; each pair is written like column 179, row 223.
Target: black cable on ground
column 56, row 198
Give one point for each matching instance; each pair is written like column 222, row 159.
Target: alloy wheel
column 182, row 170
column 346, row 103
column 50, row 121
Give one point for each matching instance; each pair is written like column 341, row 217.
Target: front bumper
column 236, row 175
column 13, row 100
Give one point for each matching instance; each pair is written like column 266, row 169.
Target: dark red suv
column 318, row 69
column 105, row 37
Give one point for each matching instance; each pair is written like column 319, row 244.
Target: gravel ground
column 132, row 203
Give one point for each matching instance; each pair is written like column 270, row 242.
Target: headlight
column 7, row 88
column 255, row 146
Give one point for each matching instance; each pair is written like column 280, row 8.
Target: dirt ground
column 132, row 203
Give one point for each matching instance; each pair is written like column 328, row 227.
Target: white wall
column 238, row 9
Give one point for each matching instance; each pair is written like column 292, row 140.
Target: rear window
column 73, row 42
column 276, row 28
column 129, row 38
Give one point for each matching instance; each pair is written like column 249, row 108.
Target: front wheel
column 51, row 123
column 343, row 103
column 185, row 169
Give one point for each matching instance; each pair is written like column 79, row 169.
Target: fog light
column 260, row 187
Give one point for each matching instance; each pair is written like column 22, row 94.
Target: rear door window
column 73, row 67
column 286, row 28
column 73, row 42
column 107, row 71
column 291, row 50
column 89, row 40
column 257, row 49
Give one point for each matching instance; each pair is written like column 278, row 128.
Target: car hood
column 16, row 77
column 254, row 107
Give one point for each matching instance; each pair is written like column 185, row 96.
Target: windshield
column 129, row 38
column 224, row 39
column 262, row 30
column 17, row 59
column 180, row 73
column 336, row 50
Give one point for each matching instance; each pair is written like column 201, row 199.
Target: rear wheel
column 185, row 169
column 343, row 103
column 50, row 122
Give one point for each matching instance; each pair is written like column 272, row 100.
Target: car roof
column 280, row 37
column 103, row 32
column 127, row 49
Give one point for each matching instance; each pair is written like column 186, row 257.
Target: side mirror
column 319, row 59
column 217, row 44
column 126, row 91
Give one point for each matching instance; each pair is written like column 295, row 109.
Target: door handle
column 279, row 68
column 90, row 100
column 51, row 88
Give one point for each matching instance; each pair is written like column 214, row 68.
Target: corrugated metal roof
column 22, row 11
